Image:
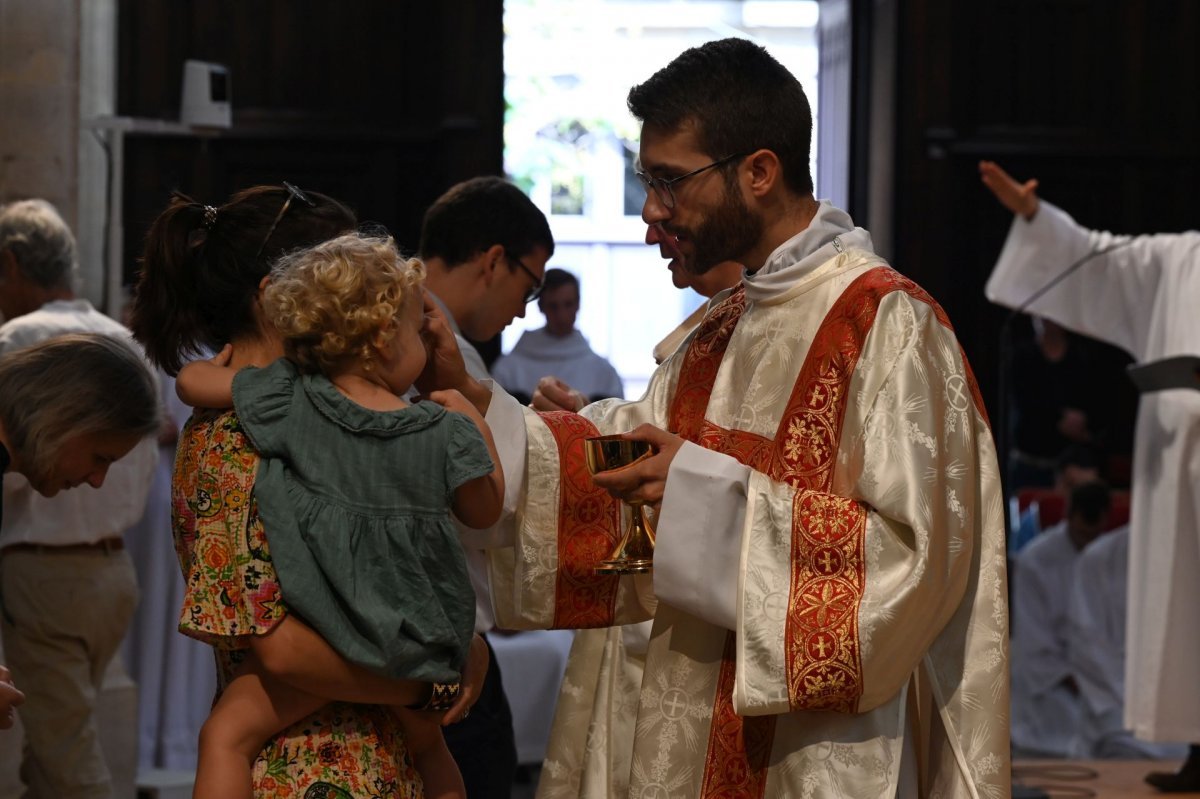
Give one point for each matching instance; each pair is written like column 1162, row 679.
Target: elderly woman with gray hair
column 69, row 408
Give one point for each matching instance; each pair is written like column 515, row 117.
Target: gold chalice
column 635, row 552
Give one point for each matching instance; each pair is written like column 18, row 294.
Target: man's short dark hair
column 478, row 213
column 1091, row 501
column 557, row 278
column 739, row 98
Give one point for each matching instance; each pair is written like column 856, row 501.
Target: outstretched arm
column 1020, row 198
column 208, row 384
column 479, row 502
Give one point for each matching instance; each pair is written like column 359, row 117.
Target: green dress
column 356, row 507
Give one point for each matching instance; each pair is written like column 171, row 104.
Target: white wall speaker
column 205, row 95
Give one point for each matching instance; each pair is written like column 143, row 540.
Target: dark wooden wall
column 380, row 103
column 1098, row 99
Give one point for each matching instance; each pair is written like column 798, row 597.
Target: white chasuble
column 828, row 601
column 1140, row 296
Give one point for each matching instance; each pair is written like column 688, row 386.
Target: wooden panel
column 379, row 103
column 1095, row 99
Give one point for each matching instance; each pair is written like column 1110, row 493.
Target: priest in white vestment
column 1140, row 295
column 828, row 594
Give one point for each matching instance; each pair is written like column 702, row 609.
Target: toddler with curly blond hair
column 355, row 489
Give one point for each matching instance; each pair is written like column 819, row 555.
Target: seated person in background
column 1046, row 706
column 1096, row 646
column 1075, row 465
column 557, row 349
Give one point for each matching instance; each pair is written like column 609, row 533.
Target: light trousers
column 64, row 616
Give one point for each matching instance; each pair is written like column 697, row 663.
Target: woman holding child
column 201, row 287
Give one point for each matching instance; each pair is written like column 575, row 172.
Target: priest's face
column 704, row 216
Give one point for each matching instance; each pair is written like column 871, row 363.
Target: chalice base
column 626, row 566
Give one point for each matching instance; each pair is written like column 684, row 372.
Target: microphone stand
column 1001, row 428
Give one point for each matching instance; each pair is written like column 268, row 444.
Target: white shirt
column 82, row 515
column 474, row 541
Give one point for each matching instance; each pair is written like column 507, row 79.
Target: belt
column 106, row 546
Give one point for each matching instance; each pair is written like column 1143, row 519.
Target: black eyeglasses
column 538, row 282
column 293, row 194
column 662, row 188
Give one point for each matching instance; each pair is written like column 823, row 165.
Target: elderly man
column 68, row 585
column 829, row 585
column 485, row 246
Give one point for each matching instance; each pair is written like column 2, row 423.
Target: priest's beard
column 726, row 234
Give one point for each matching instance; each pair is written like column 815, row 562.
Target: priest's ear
column 762, row 173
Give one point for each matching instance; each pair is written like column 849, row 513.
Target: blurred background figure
column 557, row 349
column 1046, row 706
column 69, row 585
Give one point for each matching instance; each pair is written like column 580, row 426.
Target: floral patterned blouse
column 231, row 593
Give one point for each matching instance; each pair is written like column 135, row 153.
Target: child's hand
column 223, row 357
column 208, row 383
column 453, row 400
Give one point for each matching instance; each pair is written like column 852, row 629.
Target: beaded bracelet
column 441, row 697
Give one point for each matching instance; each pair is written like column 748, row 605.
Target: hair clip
column 210, row 217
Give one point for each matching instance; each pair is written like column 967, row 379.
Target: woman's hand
column 1020, row 198
column 472, row 681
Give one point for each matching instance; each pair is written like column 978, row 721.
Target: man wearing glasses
column 828, row 589
column 485, row 246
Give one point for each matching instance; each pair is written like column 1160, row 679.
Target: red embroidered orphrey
column 588, row 526
column 824, row 669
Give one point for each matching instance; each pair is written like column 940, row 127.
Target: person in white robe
column 1047, row 709
column 558, row 348
column 592, row 732
column 1096, row 647
column 1137, row 293
column 829, row 585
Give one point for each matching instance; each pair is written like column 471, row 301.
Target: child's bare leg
column 252, row 708
column 430, row 755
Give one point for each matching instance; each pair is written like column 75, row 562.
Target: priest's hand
column 646, row 480
column 553, row 394
column 1020, row 198
column 444, row 367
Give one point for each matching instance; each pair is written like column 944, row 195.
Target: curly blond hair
column 331, row 301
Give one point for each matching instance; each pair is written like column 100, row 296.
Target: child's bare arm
column 479, row 502
column 207, row 384
column 430, row 755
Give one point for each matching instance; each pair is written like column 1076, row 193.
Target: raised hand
column 1020, row 198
